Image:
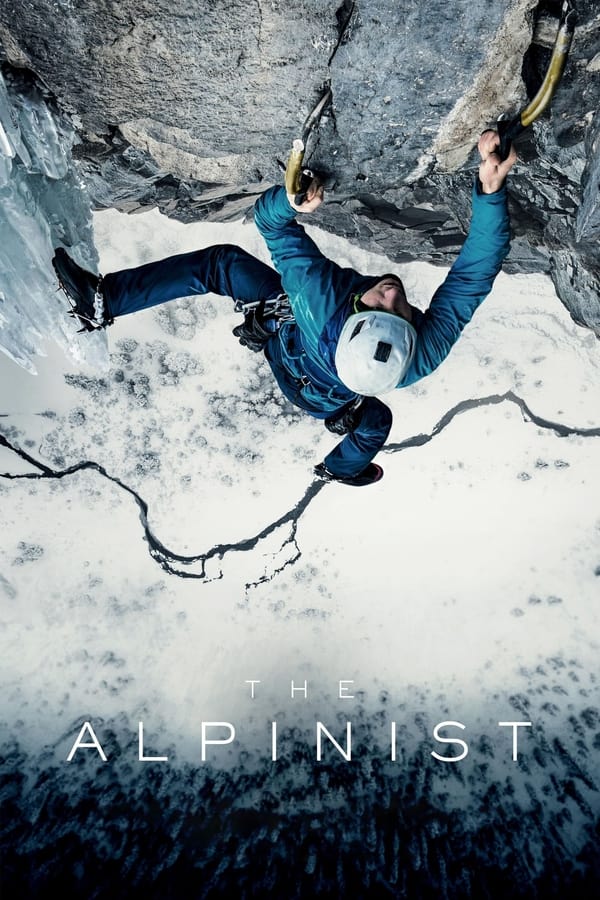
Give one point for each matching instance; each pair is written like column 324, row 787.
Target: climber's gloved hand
column 252, row 333
column 346, row 421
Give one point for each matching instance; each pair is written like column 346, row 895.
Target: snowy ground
column 463, row 587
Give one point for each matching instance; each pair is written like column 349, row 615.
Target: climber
column 351, row 337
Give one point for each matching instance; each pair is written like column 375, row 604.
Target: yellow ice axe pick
column 297, row 179
column 509, row 128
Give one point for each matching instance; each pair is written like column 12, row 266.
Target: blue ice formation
column 43, row 203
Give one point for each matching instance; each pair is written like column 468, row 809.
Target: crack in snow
column 494, row 399
column 175, row 563
column 157, row 549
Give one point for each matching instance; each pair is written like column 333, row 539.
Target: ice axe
column 298, row 179
column 510, row 127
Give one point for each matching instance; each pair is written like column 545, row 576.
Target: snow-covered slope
column 165, row 542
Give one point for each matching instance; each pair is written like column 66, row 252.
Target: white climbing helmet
column 374, row 350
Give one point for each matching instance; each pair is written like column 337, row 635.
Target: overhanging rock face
column 189, row 108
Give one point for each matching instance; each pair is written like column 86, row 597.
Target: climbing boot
column 370, row 475
column 84, row 292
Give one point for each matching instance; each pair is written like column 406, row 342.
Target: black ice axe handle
column 510, row 127
column 298, row 179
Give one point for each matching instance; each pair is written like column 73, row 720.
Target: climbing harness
column 297, row 179
column 509, row 128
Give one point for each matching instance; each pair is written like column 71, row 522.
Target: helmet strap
column 357, row 305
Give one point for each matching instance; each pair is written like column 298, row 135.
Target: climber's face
column 388, row 295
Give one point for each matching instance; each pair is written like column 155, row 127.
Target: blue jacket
column 302, row 356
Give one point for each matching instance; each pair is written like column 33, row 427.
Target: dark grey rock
column 588, row 214
column 192, row 108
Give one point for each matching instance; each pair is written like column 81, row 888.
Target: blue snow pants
column 223, row 269
column 229, row 271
